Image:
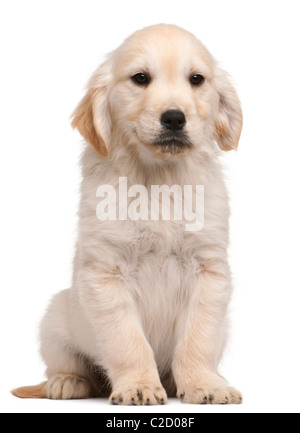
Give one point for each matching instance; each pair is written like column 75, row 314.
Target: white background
column 48, row 51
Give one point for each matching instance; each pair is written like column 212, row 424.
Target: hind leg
column 67, row 371
column 68, row 387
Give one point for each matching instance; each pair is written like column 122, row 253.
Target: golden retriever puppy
column 146, row 316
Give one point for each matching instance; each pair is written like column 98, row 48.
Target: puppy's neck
column 127, row 162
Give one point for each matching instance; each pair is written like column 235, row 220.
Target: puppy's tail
column 37, row 392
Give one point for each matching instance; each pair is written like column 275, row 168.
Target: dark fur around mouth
column 173, row 142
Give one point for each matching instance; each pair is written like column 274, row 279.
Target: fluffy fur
column 146, row 314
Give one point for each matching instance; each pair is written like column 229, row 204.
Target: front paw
column 209, row 390
column 139, row 395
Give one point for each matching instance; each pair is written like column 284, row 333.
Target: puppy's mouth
column 173, row 142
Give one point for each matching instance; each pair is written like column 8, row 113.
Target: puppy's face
column 162, row 92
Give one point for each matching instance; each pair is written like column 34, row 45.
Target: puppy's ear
column 92, row 116
column 229, row 116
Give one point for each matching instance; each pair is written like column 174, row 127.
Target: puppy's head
column 161, row 94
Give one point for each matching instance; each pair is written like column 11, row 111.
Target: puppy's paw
column 139, row 395
column 210, row 390
column 68, row 387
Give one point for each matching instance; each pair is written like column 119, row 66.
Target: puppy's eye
column 141, row 79
column 197, row 80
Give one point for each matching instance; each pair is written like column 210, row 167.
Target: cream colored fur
column 148, row 306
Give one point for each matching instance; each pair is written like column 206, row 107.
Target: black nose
column 173, row 120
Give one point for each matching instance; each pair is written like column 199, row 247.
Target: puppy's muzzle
column 173, row 139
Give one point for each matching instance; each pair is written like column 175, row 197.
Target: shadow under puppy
column 147, row 312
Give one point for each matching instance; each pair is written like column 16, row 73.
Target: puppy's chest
column 165, row 276
column 163, row 242
column 165, row 264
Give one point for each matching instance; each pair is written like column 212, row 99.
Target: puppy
column 146, row 316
